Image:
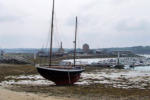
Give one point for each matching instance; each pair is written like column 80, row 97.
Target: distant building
column 86, row 48
column 61, row 50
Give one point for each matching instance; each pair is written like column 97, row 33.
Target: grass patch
column 13, row 70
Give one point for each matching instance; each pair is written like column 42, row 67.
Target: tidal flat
column 95, row 83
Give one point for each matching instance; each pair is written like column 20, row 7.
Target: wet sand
column 11, row 95
column 94, row 91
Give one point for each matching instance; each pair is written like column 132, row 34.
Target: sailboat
column 118, row 65
column 61, row 74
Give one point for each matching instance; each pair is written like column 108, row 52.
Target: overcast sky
column 102, row 23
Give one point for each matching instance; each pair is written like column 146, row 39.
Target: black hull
column 61, row 76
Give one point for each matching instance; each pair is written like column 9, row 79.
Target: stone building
column 86, row 48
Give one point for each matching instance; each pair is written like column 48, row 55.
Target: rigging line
column 48, row 39
column 78, row 37
column 45, row 43
column 49, row 27
column 46, row 46
column 44, row 49
column 58, row 37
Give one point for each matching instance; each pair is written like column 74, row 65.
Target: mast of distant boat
column 118, row 62
column 75, row 42
column 51, row 38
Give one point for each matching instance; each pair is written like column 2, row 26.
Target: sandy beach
column 11, row 95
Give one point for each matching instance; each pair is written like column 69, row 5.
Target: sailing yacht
column 118, row 65
column 61, row 74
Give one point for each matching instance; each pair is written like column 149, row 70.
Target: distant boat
column 118, row 65
column 61, row 74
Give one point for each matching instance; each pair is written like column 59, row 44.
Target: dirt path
column 11, row 95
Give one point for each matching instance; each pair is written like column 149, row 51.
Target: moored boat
column 61, row 74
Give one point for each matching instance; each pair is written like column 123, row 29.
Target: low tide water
column 140, row 68
column 95, row 60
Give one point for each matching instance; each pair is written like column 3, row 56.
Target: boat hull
column 60, row 76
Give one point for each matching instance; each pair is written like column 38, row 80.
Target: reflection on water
column 145, row 55
column 141, row 63
column 89, row 60
column 140, row 68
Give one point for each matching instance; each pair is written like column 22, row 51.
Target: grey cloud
column 7, row 15
column 119, row 1
column 126, row 25
column 9, row 18
column 70, row 21
column 102, row 23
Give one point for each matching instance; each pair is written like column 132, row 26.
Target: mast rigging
column 75, row 42
column 51, row 39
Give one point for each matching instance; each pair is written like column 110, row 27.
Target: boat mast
column 118, row 62
column 51, row 38
column 75, row 42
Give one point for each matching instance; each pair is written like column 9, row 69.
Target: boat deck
column 62, row 67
